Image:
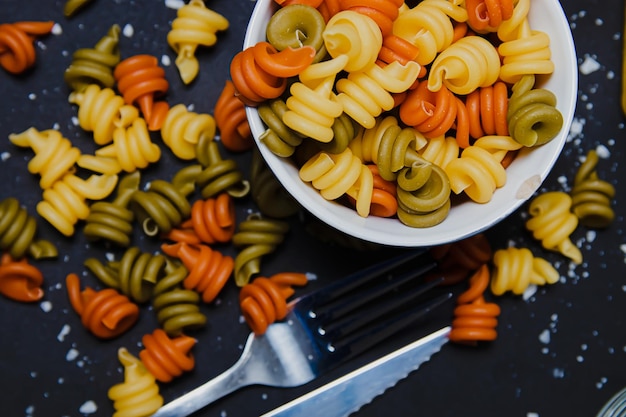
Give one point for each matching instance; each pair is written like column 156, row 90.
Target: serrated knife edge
column 339, row 398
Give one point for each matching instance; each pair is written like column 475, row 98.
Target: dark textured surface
column 523, row 373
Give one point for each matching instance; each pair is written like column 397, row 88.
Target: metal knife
column 349, row 393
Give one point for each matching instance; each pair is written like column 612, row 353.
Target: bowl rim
column 520, row 185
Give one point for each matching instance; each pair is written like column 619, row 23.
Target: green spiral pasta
column 176, row 308
column 344, row 130
column 267, row 192
column 429, row 204
column 164, row 205
column 297, row 25
column 256, row 238
column 112, row 221
column 218, row 175
column 18, row 230
column 95, row 65
column 532, row 115
column 134, row 275
column 591, row 196
column 278, row 137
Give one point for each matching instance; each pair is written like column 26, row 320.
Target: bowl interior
column 524, row 175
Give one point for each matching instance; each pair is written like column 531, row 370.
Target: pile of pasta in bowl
column 408, row 125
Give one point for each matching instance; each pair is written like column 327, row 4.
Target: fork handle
column 229, row 381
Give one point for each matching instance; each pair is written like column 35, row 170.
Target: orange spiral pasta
column 515, row 269
column 487, row 109
column 455, row 261
column 101, row 111
column 328, row 8
column 552, row 223
column 194, row 25
column 260, row 72
column 139, row 394
column 141, row 81
column 19, row 280
column 383, row 12
column 232, row 122
column 487, row 15
column 474, row 318
column 212, row 220
column 54, row 157
column 17, row 52
column 263, row 301
column 183, row 129
column 209, row 270
column 105, row 313
column 165, row 357
column 395, row 48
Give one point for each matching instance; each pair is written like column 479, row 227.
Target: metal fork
column 324, row 329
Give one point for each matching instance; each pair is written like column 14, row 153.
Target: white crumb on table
column 88, row 407
column 128, row 30
column 65, row 330
column 57, row 29
column 589, row 65
column 46, row 306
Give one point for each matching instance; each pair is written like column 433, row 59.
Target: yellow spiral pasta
column 516, row 269
column 552, row 223
column 355, row 35
column 469, row 63
column 478, row 172
column 194, row 25
column 365, row 94
column 182, row 129
column 101, row 111
column 64, row 203
column 132, row 147
column 54, row 157
column 313, row 110
column 429, row 26
column 440, row 150
column 332, row 174
column 139, row 394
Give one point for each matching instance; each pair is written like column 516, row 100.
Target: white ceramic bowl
column 524, row 175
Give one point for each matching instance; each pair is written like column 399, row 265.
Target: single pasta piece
column 231, row 120
column 18, row 231
column 263, row 301
column 218, row 175
column 382, row 12
column 165, row 357
column 440, row 150
column 141, row 82
column 72, row 7
column 105, row 313
column 95, row 65
column 132, row 147
column 194, row 25
column 65, row 202
column 457, row 260
column 552, row 223
column 112, row 221
column 101, row 111
column 17, row 53
column 475, row 319
column 55, row 155
column 255, row 238
column 212, row 220
column 591, row 196
column 19, row 280
column 139, row 394
column 532, row 115
column 209, row 269
column 486, row 16
column 134, row 275
column 163, row 205
column 182, row 130
column 260, row 72
column 177, row 309
column 395, row 48
column 487, row 109
column 515, row 269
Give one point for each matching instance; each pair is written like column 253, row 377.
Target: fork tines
column 357, row 312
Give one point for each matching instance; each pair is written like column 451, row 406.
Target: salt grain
column 544, row 337
column 71, row 355
column 89, row 407
column 174, row 4
column 32, row 96
column 589, row 65
column 166, row 61
column 603, row 152
column 558, row 373
column 4, row 156
column 65, row 330
column 46, row 306
column 57, row 29
column 128, row 30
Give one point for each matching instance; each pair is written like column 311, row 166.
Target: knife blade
column 349, row 393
